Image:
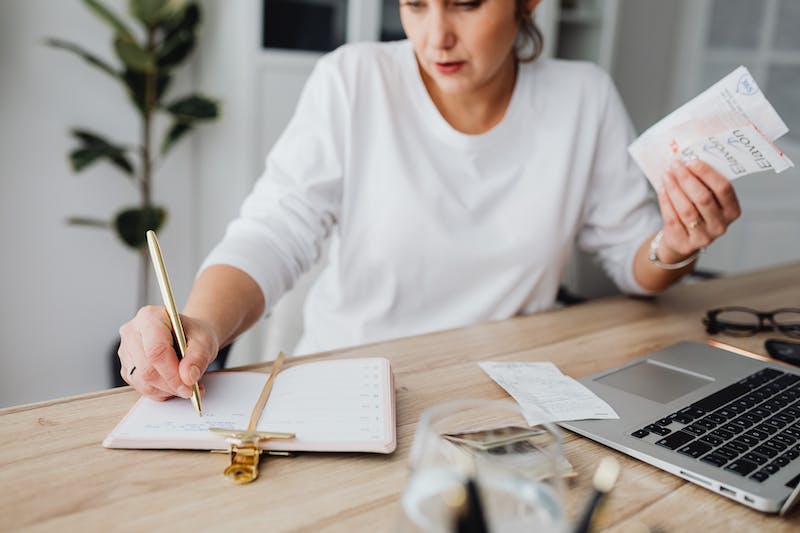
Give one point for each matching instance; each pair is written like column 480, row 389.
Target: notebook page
column 329, row 401
column 227, row 403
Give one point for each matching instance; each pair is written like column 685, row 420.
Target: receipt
column 545, row 394
column 731, row 126
column 735, row 152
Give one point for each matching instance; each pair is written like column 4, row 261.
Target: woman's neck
column 478, row 110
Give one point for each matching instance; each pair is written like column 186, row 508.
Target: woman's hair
column 530, row 40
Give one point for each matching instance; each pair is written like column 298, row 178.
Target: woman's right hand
column 148, row 357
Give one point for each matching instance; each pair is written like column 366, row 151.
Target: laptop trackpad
column 652, row 381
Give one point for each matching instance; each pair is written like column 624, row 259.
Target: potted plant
column 162, row 39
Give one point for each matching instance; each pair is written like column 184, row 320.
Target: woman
column 452, row 177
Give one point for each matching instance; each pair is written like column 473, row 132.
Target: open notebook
column 341, row 405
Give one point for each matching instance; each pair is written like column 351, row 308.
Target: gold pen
column 169, row 304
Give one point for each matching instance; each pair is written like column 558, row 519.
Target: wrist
column 665, row 257
column 211, row 331
column 667, row 254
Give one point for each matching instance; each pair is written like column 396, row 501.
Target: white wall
column 228, row 156
column 645, row 56
column 65, row 290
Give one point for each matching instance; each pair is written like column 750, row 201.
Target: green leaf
column 189, row 19
column 96, row 148
column 83, row 157
column 111, row 19
column 90, row 58
column 153, row 12
column 194, row 107
column 136, row 86
column 176, row 131
column 176, row 49
column 179, row 37
column 134, row 56
column 132, row 224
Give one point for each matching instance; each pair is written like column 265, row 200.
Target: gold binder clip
column 245, row 452
column 244, row 463
column 244, row 446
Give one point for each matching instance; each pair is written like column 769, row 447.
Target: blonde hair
column 530, row 40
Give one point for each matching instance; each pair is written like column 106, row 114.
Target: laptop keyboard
column 750, row 428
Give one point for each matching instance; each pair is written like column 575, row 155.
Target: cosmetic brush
column 604, row 478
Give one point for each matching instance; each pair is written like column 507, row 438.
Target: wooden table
column 54, row 475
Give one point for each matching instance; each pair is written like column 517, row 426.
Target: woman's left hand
column 697, row 206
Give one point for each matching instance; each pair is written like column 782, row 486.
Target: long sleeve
column 296, row 202
column 620, row 210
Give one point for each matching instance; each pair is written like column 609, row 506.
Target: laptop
column 723, row 421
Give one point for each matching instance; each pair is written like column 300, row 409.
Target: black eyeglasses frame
column 766, row 322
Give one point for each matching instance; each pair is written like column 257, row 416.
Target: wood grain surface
column 54, row 474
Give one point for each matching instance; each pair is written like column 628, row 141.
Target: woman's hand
column 148, row 359
column 697, row 206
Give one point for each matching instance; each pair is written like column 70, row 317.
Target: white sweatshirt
column 431, row 228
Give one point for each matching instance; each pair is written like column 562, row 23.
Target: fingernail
column 184, row 392
column 194, row 373
column 676, row 165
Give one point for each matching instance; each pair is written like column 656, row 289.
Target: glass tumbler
column 517, row 469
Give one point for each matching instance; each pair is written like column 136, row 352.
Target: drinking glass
column 517, row 469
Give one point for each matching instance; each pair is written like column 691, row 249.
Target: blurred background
column 66, row 290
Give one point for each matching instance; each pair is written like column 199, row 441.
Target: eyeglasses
column 743, row 321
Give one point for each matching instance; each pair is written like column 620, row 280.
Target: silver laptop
column 726, row 422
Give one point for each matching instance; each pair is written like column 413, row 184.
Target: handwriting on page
column 226, row 404
column 545, row 394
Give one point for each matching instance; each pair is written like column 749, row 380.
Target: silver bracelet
column 653, row 255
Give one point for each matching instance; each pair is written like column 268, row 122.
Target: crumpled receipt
column 731, row 126
column 545, row 394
